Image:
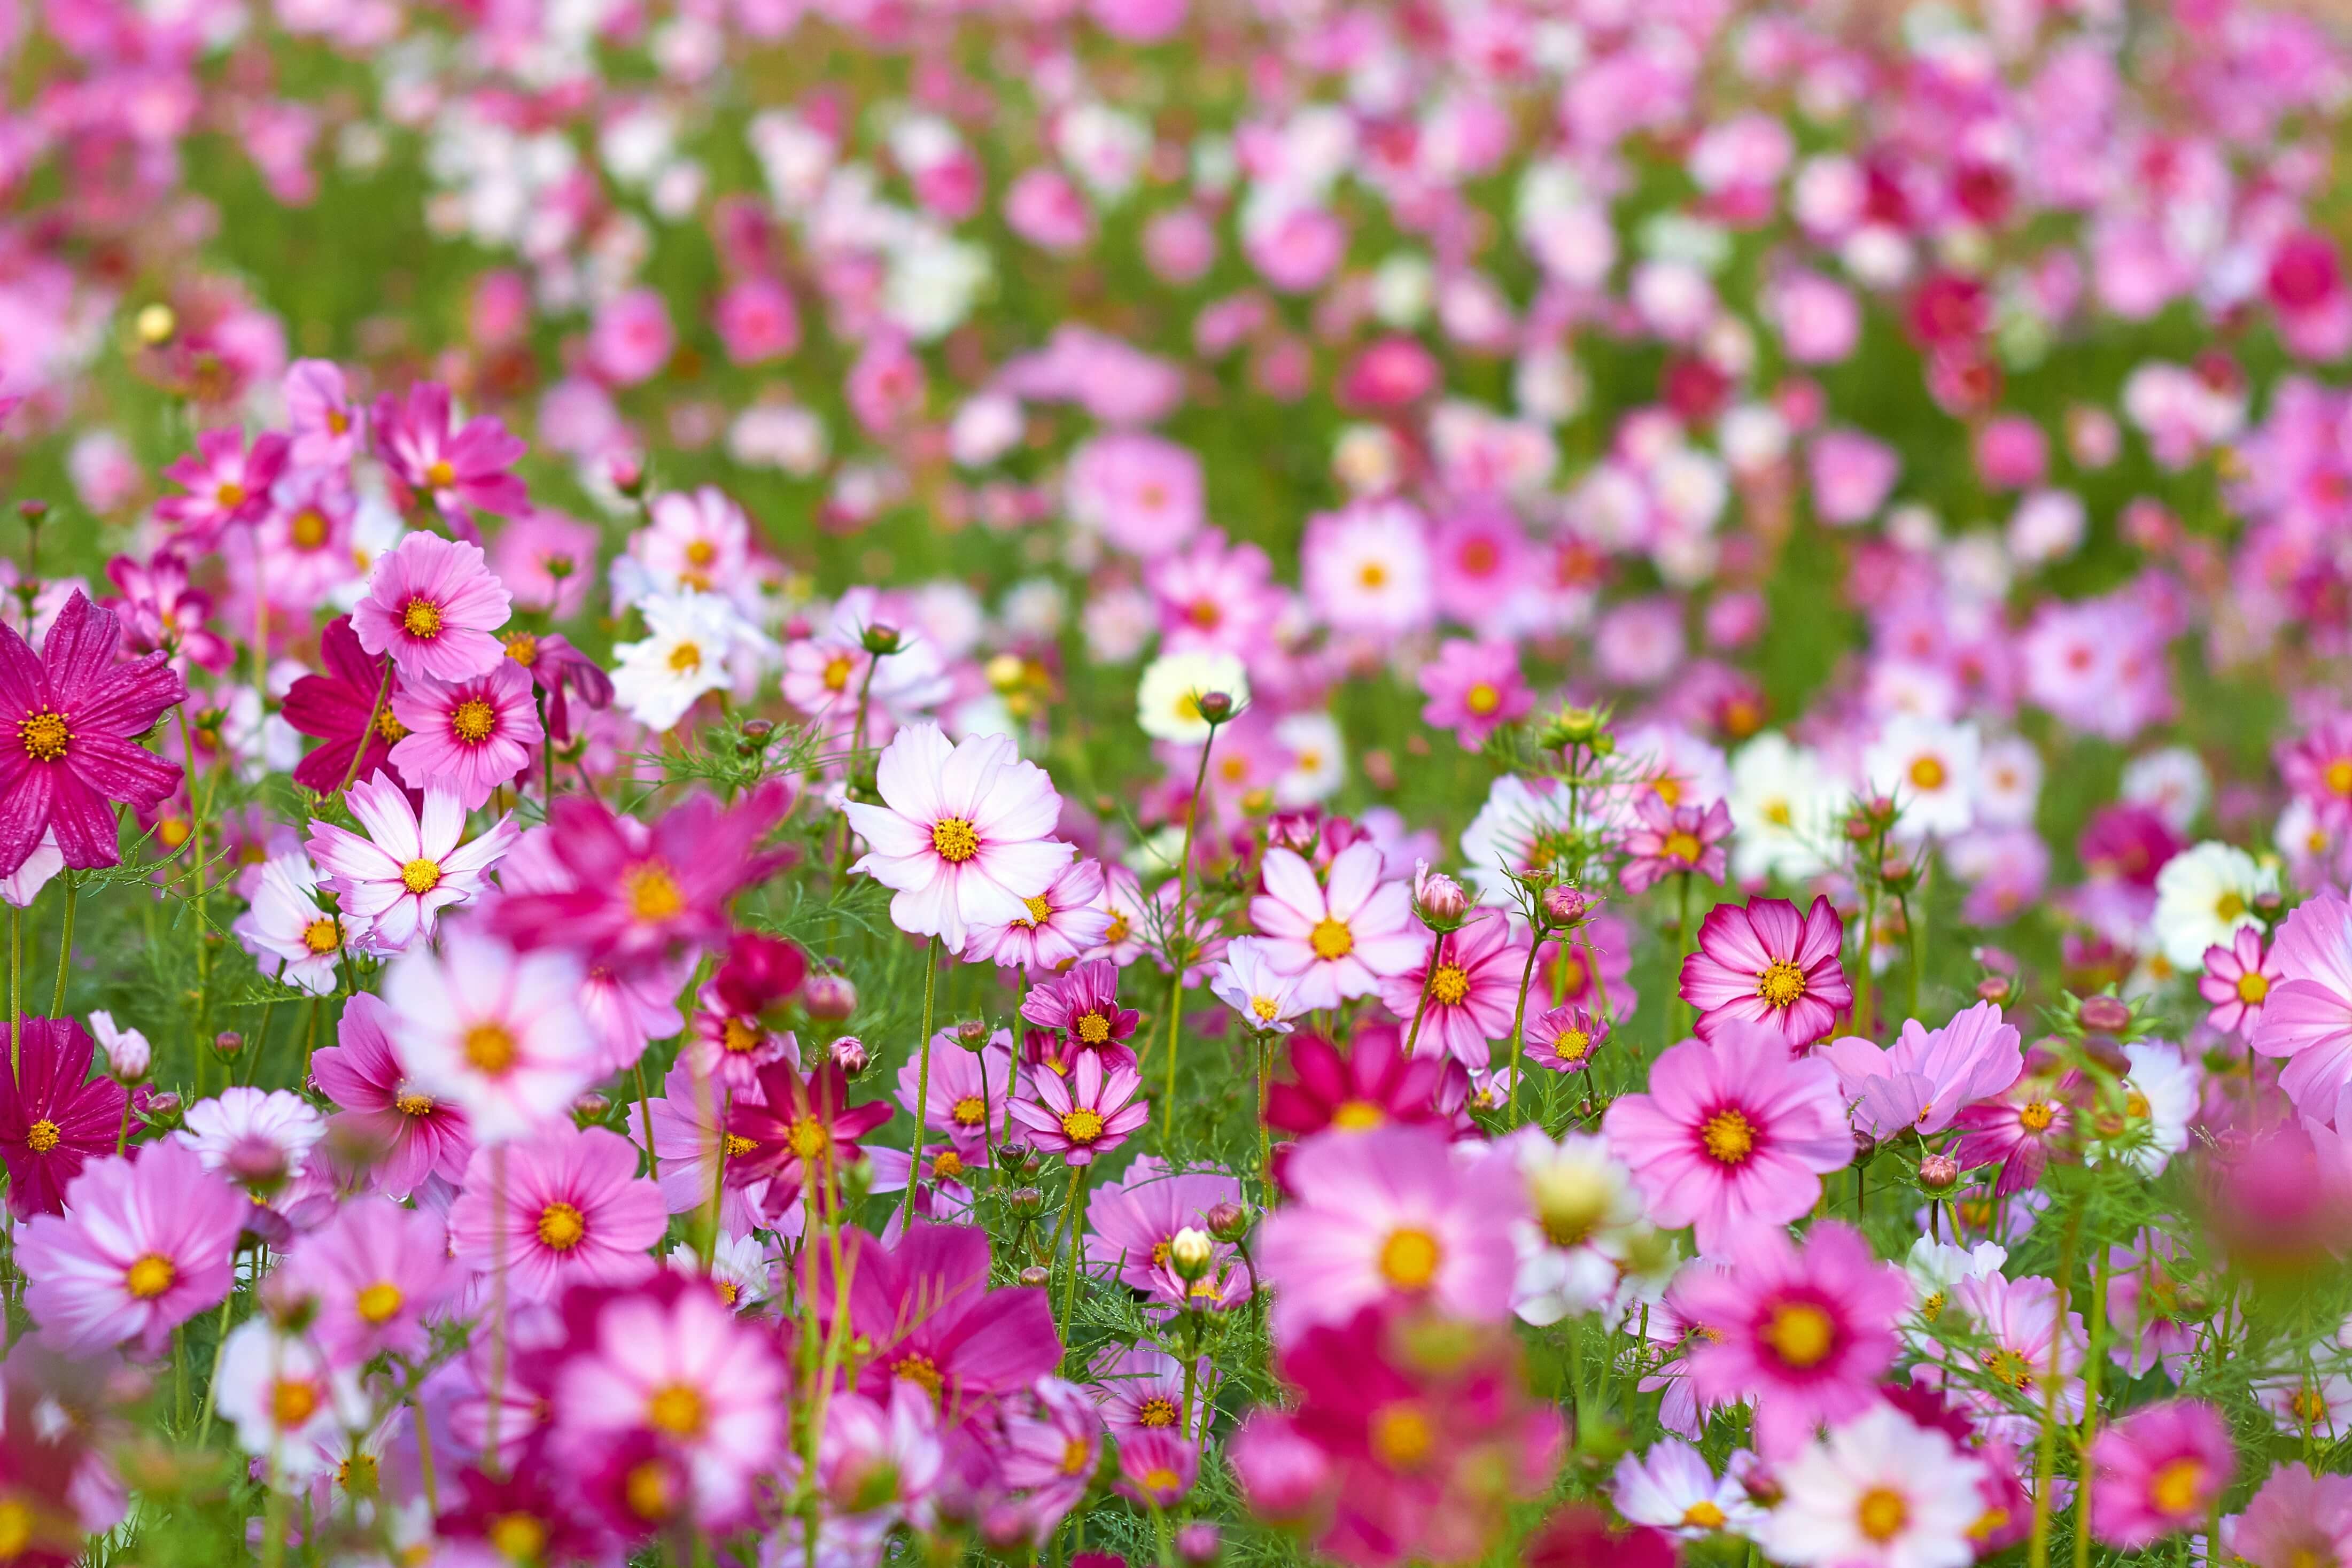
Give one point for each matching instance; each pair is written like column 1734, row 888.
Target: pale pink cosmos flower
column 1731, row 1134
column 2157, row 1470
column 1879, row 1491
column 139, row 1249
column 1766, row 965
column 471, row 735
column 1929, row 1077
column 2237, row 982
column 410, row 867
column 631, row 338
column 1063, row 923
column 569, row 1209
column 962, row 835
column 1389, row 1215
column 371, row 1275
column 1141, row 492
column 495, row 1032
column 288, row 934
column 324, row 427
column 1090, row 1113
column 2023, row 1341
column 2296, row 1520
column 432, row 605
column 699, row 539
column 257, row 1138
column 1464, row 989
column 1675, row 841
column 1247, row 982
column 1342, row 941
column 1672, row 1488
column 2307, row 1015
column 1473, row 688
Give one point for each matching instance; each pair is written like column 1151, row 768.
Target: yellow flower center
column 953, row 838
column 42, row 1136
column 1449, row 985
column 1266, row 1009
column 421, row 618
column 322, row 936
column 675, row 1409
column 2252, row 987
column 560, row 1226
column 809, row 1138
column 1703, row 1515
column 736, row 1037
column 684, row 659
column 837, row 672
column 2036, row 1115
column 970, row 1111
column 1882, row 1514
column 2007, row 1366
column 946, row 1165
column 1356, row 1115
column 1572, row 1045
column 2176, row 1486
column 1482, row 698
column 1372, row 574
column 1683, row 846
column 1158, row 1411
column 414, row 1105
column 523, row 649
column 357, row 1474
column 1040, row 912
column 151, row 1277
column 1093, row 1028
column 491, row 1047
column 1331, row 940
column 1932, row 1308
column 2339, row 776
column 230, row 494
column 15, row 1529
column 654, row 894
column 1728, row 1137
column 308, row 529
column 1081, row 1126
column 1400, row 1435
column 517, row 1537
column 1799, row 1333
column 1408, row 1259
column 2229, row 906
column 1782, row 983
column 647, row 1490
column 44, row 734
column 389, row 730
column 293, row 1403
column 921, row 1370
column 473, row 720
column 378, row 1302
column 1928, row 773
column 421, row 876
column 1077, row 1455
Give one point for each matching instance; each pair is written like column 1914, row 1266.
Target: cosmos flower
column 1063, row 923
column 683, row 654
column 1340, row 940
column 2157, row 1470
column 287, row 1400
column 1671, row 1487
column 1086, row 1115
column 1084, row 1004
column 1132, row 1222
column 1473, row 688
column 432, row 607
column 349, row 709
column 458, row 472
column 1672, row 841
column 1562, row 1039
column 1929, row 1077
column 2237, row 982
column 1878, row 1492
column 404, row 1132
column 568, row 1208
column 410, row 867
column 495, row 1033
column 293, row 937
column 227, row 483
column 1766, row 965
column 2204, row 896
column 1369, row 1085
column 141, row 1248
column 471, row 735
column 2295, row 1518
column 54, row 1117
column 1246, row 981
column 374, row 1275
column 2307, row 1015
column 798, row 1130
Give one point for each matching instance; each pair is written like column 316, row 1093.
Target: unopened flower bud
column 1938, row 1173
column 2106, row 1015
column 1994, row 988
column 128, row 1053
column 880, row 640
column 1439, row 897
column 162, row 1110
column 1190, row 1253
column 35, row 511
column 627, row 472
column 1228, row 1221
column 756, row 734
column 591, row 1106
column 1026, row 1203
column 1036, row 1276
column 256, row 1162
column 226, row 1044
column 156, row 324
column 857, row 1179
column 1573, row 727
column 1199, row 1543
column 971, row 1035
column 1215, row 707
column 759, row 971
column 829, row 997
column 1566, row 907
column 849, row 1055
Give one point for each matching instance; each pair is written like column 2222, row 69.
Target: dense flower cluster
column 1156, row 781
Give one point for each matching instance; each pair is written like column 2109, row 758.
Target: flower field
column 795, row 784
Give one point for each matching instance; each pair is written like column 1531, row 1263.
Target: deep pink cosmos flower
column 1765, row 964
column 1472, row 990
column 1676, row 840
column 2307, row 1015
column 432, row 607
column 1731, row 1134
column 349, row 708
column 472, row 736
column 160, row 611
column 141, row 1248
column 1371, row 1084
column 54, row 1117
column 1084, row 1004
column 405, row 1134
column 1087, row 1114
column 1391, row 1215
column 569, row 1210
column 641, row 897
column 227, row 483
column 925, row 1309
column 800, row 1129
column 2017, row 1130
column 559, row 672
column 1474, row 688
column 1805, row 1335
column 457, row 473
column 2157, row 1470
column 70, row 721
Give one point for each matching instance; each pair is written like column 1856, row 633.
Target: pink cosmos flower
column 962, row 834
column 1391, row 1215
column 1765, row 964
column 471, row 735
column 1048, row 1443
column 547, row 560
column 406, row 1135
column 1731, row 1134
column 569, row 1209
column 631, row 338
column 925, row 1308
column 2307, row 1015
column 969, row 1092
column 227, row 482
column 69, row 718
column 756, row 321
column 2157, row 1470
column 305, row 541
column 1342, row 941
column 496, row 1032
column 2237, row 981
column 374, row 1274
column 1562, row 1039
column 2024, row 1340
column 410, row 867
column 2317, row 767
column 1473, row 989
column 54, row 1117
column 1929, row 1077
column 796, row 1131
column 1213, row 596
column 458, row 473
column 2017, row 1130
column 699, row 539
column 1132, row 1222
column 728, row 1048
column 160, row 610
column 432, row 605
column 1083, row 1003
column 324, row 429
column 1156, row 1469
column 1064, row 921
column 1143, row 492
column 2296, row 1520
column 1143, row 1391
column 1806, row 1335
column 1086, row 1115
column 141, row 1248
column 1474, row 688
column 1676, row 840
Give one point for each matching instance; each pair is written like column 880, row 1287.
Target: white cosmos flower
column 1249, row 985
column 2159, row 1098
column 1784, row 806
column 1935, row 1267
column 408, row 869
column 1671, row 1487
column 287, row 1400
column 499, row 1034
column 683, row 654
column 1521, row 827
column 1929, row 770
column 1880, row 1492
column 1583, row 1210
column 2204, row 896
column 1319, row 761
column 1168, row 698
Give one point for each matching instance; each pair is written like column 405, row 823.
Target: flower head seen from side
column 1929, row 1075
column 962, row 837
column 410, row 865
column 54, row 1117
column 1086, row 1115
column 1342, row 938
column 141, row 1248
column 471, row 735
column 1766, row 965
column 1246, row 981
column 2157, row 1470
column 432, row 607
column 1731, row 1134
column 497, row 1033
column 70, row 717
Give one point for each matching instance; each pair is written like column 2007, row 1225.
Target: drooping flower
column 497, row 1033
column 1339, row 940
column 1766, row 965
column 432, row 607
column 1086, row 1115
column 54, row 1117
column 410, row 867
column 1731, row 1134
column 1246, row 981
column 406, row 1135
column 1929, row 1075
column 1675, row 841
column 1879, row 1492
column 567, row 1208
column 349, row 709
column 1389, row 1216
column 70, row 720
column 2157, row 1470
column 141, row 1248
column 1471, row 978
column 962, row 835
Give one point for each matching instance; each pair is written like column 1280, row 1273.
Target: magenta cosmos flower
column 410, row 867
column 1340, row 939
column 796, row 1131
column 1090, row 1113
column 349, row 709
column 226, row 483
column 1472, row 978
column 70, row 721
column 1731, row 1134
column 570, row 1209
column 432, row 606
column 472, row 736
column 963, row 835
column 1084, row 1004
column 1391, row 1215
column 2157, row 1470
column 455, row 471
column 1805, row 1335
column 2237, row 983
column 1765, row 964
column 1474, row 688
column 2307, row 1015
column 386, row 1117
column 925, row 1309
column 2017, row 1131
column 54, row 1117
column 1371, row 1084
column 140, row 1250
column 1678, row 840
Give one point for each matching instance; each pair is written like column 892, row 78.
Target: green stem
column 1428, row 978
column 1078, row 1248
column 2091, row 1367
column 64, row 950
column 375, row 716
column 922, row 1078
column 2046, row 1465
column 1519, row 1023
column 212, row 1385
column 1912, row 934
column 1178, row 951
